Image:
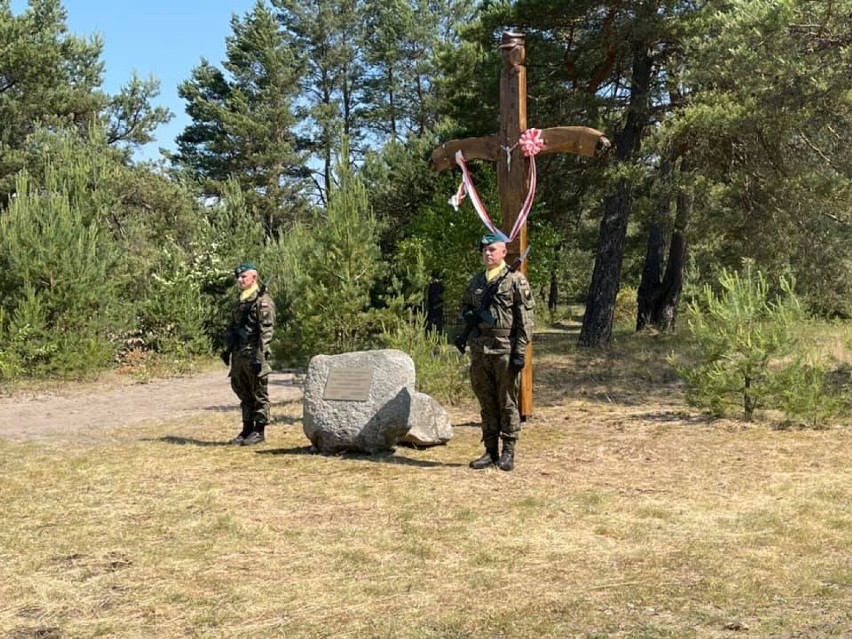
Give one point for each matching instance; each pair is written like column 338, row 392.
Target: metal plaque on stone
column 348, row 384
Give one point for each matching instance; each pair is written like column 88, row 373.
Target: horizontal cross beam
column 580, row 140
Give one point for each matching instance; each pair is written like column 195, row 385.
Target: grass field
column 628, row 516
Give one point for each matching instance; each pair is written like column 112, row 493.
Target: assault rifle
column 472, row 319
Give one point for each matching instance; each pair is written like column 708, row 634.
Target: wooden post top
column 512, row 49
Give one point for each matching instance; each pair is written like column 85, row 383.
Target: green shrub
column 328, row 270
column 804, row 394
column 625, row 310
column 441, row 371
column 741, row 338
column 63, row 305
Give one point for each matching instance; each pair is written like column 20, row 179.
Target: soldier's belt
column 495, row 332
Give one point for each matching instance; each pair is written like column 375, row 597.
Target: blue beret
column 245, row 266
column 491, row 238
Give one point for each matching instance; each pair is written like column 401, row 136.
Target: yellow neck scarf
column 244, row 295
column 494, row 272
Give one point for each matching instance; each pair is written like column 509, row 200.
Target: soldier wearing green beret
column 497, row 351
column 248, row 339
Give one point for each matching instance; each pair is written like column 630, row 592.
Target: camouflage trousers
column 496, row 384
column 252, row 391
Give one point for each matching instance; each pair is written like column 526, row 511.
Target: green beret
column 491, row 238
column 245, row 266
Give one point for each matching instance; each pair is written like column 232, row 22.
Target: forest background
column 308, row 150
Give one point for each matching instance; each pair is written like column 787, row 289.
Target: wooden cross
column 512, row 169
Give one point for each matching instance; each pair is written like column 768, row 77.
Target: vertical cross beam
column 513, row 173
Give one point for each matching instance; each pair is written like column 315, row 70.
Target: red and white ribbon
column 467, row 187
column 531, row 144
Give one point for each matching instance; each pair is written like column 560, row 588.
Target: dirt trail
column 50, row 415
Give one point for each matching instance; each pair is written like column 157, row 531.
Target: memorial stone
column 358, row 401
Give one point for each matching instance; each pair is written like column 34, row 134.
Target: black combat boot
column 239, row 439
column 490, row 456
column 257, row 435
column 507, row 459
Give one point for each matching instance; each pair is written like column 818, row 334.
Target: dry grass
column 627, row 517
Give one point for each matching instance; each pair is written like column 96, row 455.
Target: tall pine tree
column 326, row 33
column 243, row 119
column 51, row 79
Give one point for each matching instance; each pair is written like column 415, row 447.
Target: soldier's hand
column 517, row 360
column 226, row 357
column 256, row 365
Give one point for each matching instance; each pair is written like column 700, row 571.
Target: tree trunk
column 606, row 278
column 658, row 297
column 553, row 293
column 665, row 311
column 651, row 277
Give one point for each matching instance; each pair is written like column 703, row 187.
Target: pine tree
column 331, row 269
column 51, row 79
column 762, row 124
column 326, row 33
column 243, row 121
column 60, row 292
column 401, row 47
column 742, row 336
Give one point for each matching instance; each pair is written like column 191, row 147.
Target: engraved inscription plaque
column 348, row 384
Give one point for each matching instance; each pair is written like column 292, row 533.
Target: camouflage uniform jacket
column 511, row 308
column 252, row 322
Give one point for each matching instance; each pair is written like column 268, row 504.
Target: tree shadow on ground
column 679, row 416
column 632, row 371
column 188, row 441
column 222, row 408
column 231, row 408
column 285, row 420
column 289, row 383
column 377, row 458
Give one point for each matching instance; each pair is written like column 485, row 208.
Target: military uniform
column 249, row 336
column 497, row 354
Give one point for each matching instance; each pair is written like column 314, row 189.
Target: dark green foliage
column 60, row 294
column 326, row 34
column 748, row 101
column 50, row 78
column 47, row 77
column 173, row 317
column 762, row 130
column 328, row 270
column 97, row 260
column 243, row 122
column 747, row 356
column 441, row 371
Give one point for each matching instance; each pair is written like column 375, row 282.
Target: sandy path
column 49, row 415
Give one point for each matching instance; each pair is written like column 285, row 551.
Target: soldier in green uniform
column 248, row 340
column 498, row 348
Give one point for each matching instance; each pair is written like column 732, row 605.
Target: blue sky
column 163, row 38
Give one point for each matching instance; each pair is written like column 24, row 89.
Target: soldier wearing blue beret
column 498, row 348
column 248, row 339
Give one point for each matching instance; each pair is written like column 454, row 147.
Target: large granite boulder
column 429, row 423
column 358, row 401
